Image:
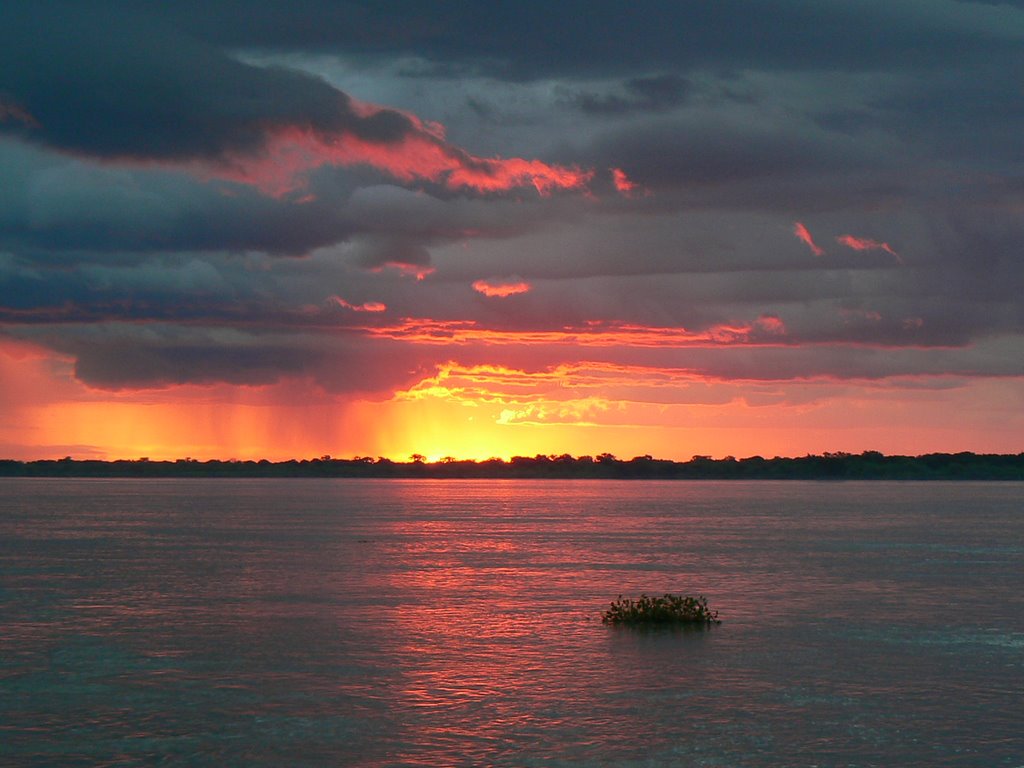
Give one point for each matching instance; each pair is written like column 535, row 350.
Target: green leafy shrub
column 668, row 609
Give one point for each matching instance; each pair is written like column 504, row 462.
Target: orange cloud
column 502, row 385
column 802, row 234
column 366, row 306
column 593, row 334
column 501, row 288
column 586, row 412
column 865, row 244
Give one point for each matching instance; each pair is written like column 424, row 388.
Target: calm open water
column 452, row 623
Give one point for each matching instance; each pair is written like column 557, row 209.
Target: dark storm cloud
column 132, row 230
column 114, row 82
column 655, row 93
column 71, row 210
column 123, row 86
column 240, row 292
column 145, row 364
column 378, row 253
column 119, row 356
column 676, row 153
column 531, row 38
column 90, row 214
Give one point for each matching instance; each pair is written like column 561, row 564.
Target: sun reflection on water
column 458, row 623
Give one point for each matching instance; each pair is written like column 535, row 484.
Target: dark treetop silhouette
column 870, row 465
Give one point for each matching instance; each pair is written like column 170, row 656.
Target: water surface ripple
column 450, row 623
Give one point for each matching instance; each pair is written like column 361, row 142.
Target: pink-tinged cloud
column 419, row 153
column 771, row 325
column 500, row 175
column 866, row 244
column 625, row 186
column 802, row 234
column 622, row 182
column 501, row 288
column 366, row 306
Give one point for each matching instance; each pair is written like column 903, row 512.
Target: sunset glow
column 342, row 242
column 501, row 288
column 482, row 411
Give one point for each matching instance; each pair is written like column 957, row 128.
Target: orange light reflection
column 594, row 334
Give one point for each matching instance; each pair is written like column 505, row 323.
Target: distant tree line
column 870, row 465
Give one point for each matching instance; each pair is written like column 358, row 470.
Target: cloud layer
column 361, row 198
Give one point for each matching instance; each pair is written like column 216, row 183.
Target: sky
column 286, row 230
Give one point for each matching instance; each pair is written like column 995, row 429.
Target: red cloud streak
column 866, row 244
column 802, row 234
column 421, row 154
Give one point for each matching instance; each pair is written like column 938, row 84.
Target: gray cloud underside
column 116, row 83
column 119, row 356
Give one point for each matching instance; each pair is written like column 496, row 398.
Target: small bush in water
column 669, row 609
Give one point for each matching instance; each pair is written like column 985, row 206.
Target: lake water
column 457, row 623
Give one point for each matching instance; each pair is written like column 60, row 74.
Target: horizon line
column 421, row 459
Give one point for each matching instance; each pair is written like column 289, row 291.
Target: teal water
column 451, row 623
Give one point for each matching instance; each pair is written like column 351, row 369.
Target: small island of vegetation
column 667, row 609
column 869, row 465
